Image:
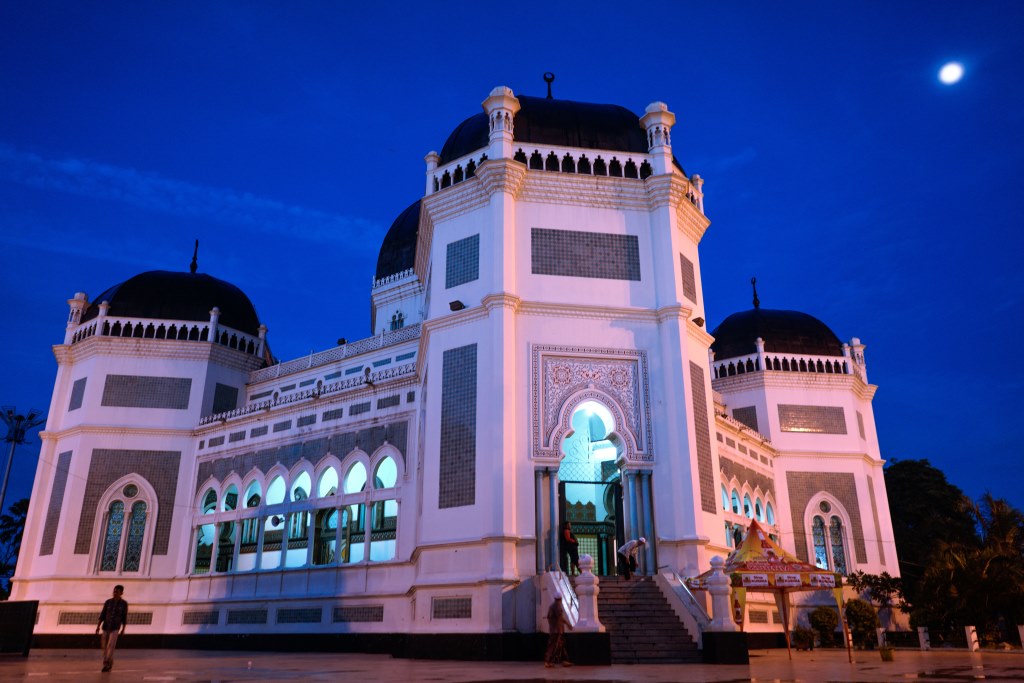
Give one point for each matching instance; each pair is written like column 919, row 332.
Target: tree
column 862, row 620
column 980, row 581
column 882, row 590
column 927, row 513
column 824, row 621
column 12, row 527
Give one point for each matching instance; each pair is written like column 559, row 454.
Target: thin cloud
column 180, row 198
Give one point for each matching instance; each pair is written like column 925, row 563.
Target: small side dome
column 398, row 251
column 782, row 332
column 166, row 295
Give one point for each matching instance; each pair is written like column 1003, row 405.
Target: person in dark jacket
column 113, row 619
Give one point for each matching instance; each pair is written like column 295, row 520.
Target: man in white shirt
column 627, row 556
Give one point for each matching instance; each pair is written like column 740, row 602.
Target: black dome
column 166, row 295
column 562, row 123
column 398, row 251
column 782, row 332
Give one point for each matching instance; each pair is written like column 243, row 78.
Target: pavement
column 82, row 666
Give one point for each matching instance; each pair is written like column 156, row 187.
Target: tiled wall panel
column 747, row 416
column 159, row 468
column 77, row 394
column 462, row 261
column 60, row 480
column 702, row 435
column 689, row 278
column 457, row 468
column 133, row 391
column 572, row 253
column 812, row 419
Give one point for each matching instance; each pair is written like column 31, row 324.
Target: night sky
column 287, row 136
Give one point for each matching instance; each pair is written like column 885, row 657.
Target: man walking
column 113, row 619
column 627, row 556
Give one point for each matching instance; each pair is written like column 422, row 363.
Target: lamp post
column 17, row 425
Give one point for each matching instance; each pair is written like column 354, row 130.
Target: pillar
column 586, row 592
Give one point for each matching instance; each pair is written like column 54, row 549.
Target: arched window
column 770, row 514
column 355, row 480
column 735, row 501
column 828, row 537
column 725, row 498
column 758, row 510
column 748, row 509
column 328, row 485
column 127, row 510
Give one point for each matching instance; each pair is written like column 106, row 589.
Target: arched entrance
column 590, row 488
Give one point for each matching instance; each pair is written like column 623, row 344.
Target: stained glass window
column 136, row 529
column 112, row 538
column 835, row 532
column 820, row 546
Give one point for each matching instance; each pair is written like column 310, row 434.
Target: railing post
column 972, row 638
column 587, row 590
column 718, row 586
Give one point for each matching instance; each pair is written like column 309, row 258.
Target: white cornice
column 543, row 308
column 501, row 175
column 114, row 430
column 547, row 187
column 798, row 380
column 164, row 349
column 456, row 200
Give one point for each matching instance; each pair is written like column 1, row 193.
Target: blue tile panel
column 352, row 371
column 247, row 616
column 300, row 615
column 235, row 437
column 262, row 394
column 133, row 391
column 689, row 278
column 367, row 440
column 335, row 414
column 288, row 387
column 216, row 441
column 457, row 467
column 702, row 435
column 388, row 401
column 159, row 468
column 410, row 397
column 200, row 617
column 77, row 394
column 812, row 419
column 404, row 356
column 572, row 253
column 258, row 431
column 451, row 608
column 860, row 424
column 135, row 618
column 225, row 398
column 282, row 426
column 306, row 383
column 747, row 416
column 333, row 375
column 361, row 613
column 305, row 420
column 359, row 408
column 380, row 363
column 462, row 262
column 60, row 481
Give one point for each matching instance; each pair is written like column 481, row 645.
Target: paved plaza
column 80, row 666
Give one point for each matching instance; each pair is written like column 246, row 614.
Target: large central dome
column 167, row 295
column 561, row 123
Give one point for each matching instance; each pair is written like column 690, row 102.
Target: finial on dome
column 549, row 78
column 753, row 283
column 195, row 259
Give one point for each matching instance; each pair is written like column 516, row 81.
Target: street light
column 17, row 425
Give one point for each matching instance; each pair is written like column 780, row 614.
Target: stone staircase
column 641, row 624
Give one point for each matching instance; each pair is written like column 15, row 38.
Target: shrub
column 803, row 638
column 862, row 620
column 824, row 621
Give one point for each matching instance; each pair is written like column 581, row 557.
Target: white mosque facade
column 538, row 355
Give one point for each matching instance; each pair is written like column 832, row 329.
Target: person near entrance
column 113, row 619
column 557, row 623
column 627, row 556
column 570, row 549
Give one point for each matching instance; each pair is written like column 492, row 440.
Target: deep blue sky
column 287, row 137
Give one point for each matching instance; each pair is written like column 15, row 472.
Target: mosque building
column 538, row 354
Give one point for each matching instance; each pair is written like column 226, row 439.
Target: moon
column 951, row 73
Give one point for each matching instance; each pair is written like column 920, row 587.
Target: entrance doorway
column 590, row 488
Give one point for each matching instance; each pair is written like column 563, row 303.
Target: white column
column 501, row 107
column 552, row 521
column 972, row 638
column 658, row 122
column 432, row 160
column 925, row 641
column 538, row 494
